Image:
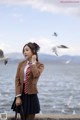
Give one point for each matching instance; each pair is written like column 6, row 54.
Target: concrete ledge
column 49, row 117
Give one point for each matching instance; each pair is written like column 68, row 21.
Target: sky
column 23, row 21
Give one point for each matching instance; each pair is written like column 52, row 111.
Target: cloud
column 44, row 43
column 5, row 47
column 47, row 44
column 45, row 47
column 54, row 6
column 18, row 16
column 8, row 48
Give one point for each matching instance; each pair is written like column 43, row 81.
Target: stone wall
column 49, row 117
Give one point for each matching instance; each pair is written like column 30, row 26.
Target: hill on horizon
column 45, row 57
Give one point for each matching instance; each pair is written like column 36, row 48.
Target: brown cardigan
column 34, row 75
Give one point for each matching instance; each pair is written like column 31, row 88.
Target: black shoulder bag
column 18, row 109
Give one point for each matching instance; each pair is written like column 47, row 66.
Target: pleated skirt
column 30, row 104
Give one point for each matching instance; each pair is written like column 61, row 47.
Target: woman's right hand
column 18, row 101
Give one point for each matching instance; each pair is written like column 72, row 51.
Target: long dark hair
column 34, row 48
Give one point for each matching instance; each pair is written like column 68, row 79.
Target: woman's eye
column 26, row 49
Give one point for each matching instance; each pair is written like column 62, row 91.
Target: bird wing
column 6, row 61
column 55, row 50
column 2, row 57
column 54, row 34
column 62, row 46
column 1, row 53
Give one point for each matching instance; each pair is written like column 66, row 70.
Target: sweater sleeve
column 37, row 70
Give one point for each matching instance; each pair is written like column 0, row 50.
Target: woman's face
column 27, row 52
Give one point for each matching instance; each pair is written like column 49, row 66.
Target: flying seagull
column 55, row 34
column 2, row 57
column 54, row 49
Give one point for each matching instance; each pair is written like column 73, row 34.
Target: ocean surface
column 58, row 86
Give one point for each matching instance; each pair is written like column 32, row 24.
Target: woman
column 27, row 76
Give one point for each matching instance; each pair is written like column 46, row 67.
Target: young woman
column 27, row 76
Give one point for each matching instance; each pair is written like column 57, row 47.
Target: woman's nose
column 24, row 52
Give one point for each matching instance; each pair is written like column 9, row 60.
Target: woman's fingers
column 18, row 101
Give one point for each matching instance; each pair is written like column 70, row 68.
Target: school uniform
column 26, row 80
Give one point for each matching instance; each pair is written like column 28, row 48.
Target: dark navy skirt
column 30, row 104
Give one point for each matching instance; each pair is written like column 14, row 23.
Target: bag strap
column 16, row 114
column 22, row 113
